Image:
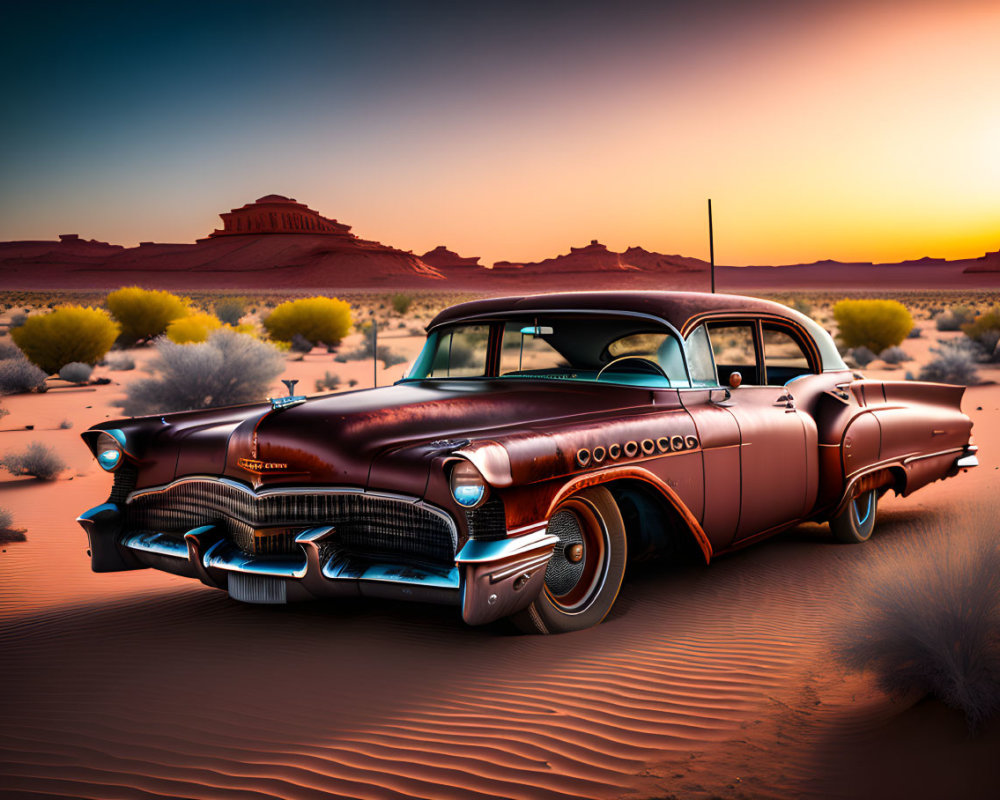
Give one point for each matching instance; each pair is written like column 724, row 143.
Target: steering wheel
column 650, row 365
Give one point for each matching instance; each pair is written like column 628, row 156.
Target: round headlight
column 108, row 452
column 468, row 487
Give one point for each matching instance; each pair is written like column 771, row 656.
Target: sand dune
column 702, row 683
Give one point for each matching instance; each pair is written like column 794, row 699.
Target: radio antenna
column 711, row 245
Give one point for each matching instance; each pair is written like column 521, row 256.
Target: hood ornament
column 278, row 403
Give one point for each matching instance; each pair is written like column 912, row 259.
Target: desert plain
column 704, row 682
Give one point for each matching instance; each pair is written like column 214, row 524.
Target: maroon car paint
column 730, row 466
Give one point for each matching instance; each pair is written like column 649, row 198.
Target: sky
column 846, row 130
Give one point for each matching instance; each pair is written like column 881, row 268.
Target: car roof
column 675, row 308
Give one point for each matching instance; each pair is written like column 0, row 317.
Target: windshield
column 629, row 351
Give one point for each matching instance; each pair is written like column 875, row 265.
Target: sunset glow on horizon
column 845, row 130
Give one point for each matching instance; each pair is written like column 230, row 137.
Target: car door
column 777, row 469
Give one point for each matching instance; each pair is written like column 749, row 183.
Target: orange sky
column 854, row 131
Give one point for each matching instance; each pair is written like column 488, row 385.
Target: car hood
column 379, row 439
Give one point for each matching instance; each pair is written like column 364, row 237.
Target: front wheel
column 586, row 569
column 857, row 521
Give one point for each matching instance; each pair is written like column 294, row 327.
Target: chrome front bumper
column 489, row 580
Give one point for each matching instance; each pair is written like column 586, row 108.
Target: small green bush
column 875, row 324
column 862, row 356
column 317, row 319
column 390, row 357
column 894, row 355
column 70, row 333
column 330, row 382
column 230, row 309
column 143, row 313
column 401, row 302
column 39, row 461
column 193, row 328
column 76, row 372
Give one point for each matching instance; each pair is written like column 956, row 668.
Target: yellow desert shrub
column 70, row 333
column 985, row 329
column 875, row 324
column 317, row 319
column 145, row 313
column 193, row 328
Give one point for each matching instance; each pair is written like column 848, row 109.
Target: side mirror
column 735, row 379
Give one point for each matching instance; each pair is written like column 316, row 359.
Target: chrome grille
column 488, row 522
column 125, row 478
column 365, row 524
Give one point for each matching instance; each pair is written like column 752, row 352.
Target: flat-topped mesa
column 986, row 263
column 443, row 258
column 275, row 213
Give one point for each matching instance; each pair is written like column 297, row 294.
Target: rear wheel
column 586, row 569
column 857, row 521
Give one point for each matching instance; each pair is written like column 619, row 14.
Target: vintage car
column 535, row 447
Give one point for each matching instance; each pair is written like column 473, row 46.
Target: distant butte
column 274, row 213
column 277, row 242
column 444, row 259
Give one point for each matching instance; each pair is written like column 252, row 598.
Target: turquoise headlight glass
column 108, row 451
column 467, row 486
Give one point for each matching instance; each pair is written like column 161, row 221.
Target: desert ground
column 702, row 683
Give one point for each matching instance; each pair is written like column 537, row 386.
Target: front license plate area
column 257, row 589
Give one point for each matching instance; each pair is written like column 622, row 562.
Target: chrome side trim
column 925, row 456
column 158, row 543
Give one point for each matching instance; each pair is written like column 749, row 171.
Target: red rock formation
column 443, row 258
column 293, row 247
column 987, row 263
column 274, row 213
column 596, row 257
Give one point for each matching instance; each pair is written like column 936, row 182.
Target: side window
column 700, row 361
column 735, row 351
column 783, row 357
column 461, row 353
column 523, row 351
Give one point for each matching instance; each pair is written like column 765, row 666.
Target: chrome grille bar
column 368, row 523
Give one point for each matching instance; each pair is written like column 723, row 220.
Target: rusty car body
column 535, row 447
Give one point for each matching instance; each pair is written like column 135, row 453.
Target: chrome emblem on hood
column 258, row 467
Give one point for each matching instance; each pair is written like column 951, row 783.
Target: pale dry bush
column 228, row 369
column 19, row 375
column 38, row 460
column 120, row 362
column 927, row 618
column 954, row 362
